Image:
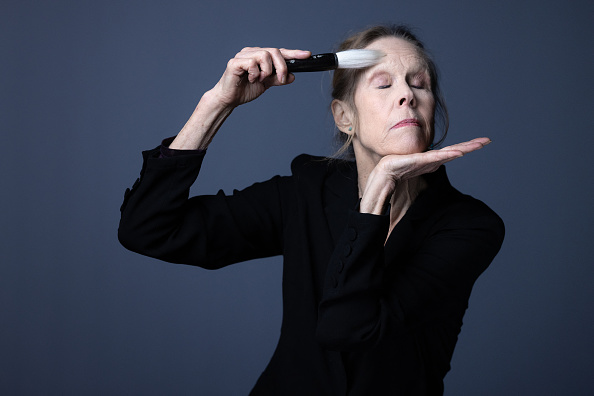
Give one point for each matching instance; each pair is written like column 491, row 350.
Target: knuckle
column 252, row 63
column 281, row 67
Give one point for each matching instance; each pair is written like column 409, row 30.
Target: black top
column 359, row 318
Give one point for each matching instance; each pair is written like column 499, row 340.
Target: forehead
column 399, row 54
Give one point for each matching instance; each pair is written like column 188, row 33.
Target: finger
column 437, row 158
column 279, row 64
column 478, row 142
column 294, row 54
column 282, row 69
column 260, row 62
column 469, row 146
column 419, row 163
column 279, row 57
column 240, row 66
column 482, row 140
column 432, row 163
column 286, row 53
column 272, row 81
column 266, row 65
column 271, row 60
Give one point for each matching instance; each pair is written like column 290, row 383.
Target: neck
column 404, row 194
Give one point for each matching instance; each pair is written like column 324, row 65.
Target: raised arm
column 247, row 76
column 158, row 219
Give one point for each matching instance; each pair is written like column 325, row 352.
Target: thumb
column 272, row 81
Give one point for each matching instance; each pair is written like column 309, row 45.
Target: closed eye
column 384, row 86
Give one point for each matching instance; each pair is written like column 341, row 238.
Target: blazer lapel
column 412, row 228
column 340, row 196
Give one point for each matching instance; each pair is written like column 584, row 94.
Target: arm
column 393, row 170
column 366, row 299
column 160, row 221
column 247, row 76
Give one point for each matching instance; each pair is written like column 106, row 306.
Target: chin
column 411, row 143
column 411, row 147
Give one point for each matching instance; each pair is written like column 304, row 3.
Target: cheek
column 428, row 104
column 369, row 113
column 428, row 112
column 368, row 103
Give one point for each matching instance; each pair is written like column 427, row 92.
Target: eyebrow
column 378, row 71
column 415, row 72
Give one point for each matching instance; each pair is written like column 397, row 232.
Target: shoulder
column 470, row 219
column 327, row 181
column 305, row 164
column 447, row 208
column 468, row 209
column 317, row 168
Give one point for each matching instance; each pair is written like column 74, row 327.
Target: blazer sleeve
column 366, row 300
column 158, row 219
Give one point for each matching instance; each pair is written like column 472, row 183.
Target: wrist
column 214, row 101
column 377, row 194
column 207, row 118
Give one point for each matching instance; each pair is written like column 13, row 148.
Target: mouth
column 407, row 122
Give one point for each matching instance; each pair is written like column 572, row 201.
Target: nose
column 406, row 96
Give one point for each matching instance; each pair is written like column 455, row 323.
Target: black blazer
column 359, row 318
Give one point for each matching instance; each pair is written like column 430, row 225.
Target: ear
column 343, row 116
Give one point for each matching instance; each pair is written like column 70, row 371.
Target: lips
column 407, row 122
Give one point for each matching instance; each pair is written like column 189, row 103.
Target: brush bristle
column 358, row 58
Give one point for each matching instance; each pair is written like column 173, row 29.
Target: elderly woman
column 380, row 253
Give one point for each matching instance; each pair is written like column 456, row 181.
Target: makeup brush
column 349, row 59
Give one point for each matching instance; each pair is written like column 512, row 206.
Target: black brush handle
column 314, row 63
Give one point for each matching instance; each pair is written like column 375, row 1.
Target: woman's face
column 394, row 104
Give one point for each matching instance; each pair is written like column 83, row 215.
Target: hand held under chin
column 392, row 170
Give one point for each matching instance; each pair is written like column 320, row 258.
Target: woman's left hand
column 394, row 169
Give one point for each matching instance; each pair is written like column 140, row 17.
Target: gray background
column 86, row 85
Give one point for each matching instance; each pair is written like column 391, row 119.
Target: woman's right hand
column 248, row 75
column 252, row 71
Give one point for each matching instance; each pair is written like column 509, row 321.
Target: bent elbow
column 129, row 239
column 140, row 237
